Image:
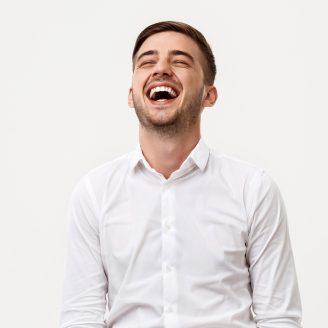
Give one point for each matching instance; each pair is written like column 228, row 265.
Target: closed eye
column 181, row 62
column 147, row 62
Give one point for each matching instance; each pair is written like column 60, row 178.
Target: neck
column 165, row 154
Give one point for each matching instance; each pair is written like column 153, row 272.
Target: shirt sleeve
column 276, row 299
column 85, row 281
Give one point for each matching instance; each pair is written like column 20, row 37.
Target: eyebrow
column 171, row 53
column 147, row 53
column 182, row 53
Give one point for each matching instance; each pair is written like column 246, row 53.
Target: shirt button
column 168, row 308
column 166, row 185
column 167, row 227
column 168, row 268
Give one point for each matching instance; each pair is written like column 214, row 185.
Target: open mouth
column 162, row 94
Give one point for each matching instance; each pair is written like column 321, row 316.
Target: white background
column 65, row 70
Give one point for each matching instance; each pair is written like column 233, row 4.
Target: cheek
column 190, row 78
column 139, row 79
column 193, row 84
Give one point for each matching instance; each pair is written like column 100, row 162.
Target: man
column 174, row 234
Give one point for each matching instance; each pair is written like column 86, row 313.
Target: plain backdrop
column 65, row 71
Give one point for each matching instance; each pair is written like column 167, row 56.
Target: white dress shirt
column 206, row 248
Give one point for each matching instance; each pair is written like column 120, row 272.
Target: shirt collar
column 199, row 155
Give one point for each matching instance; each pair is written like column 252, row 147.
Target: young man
column 174, row 234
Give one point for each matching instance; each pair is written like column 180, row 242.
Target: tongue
column 163, row 99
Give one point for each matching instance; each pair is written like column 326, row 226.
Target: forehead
column 167, row 41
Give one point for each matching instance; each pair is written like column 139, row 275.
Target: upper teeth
column 157, row 89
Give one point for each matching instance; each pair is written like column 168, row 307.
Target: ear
column 211, row 95
column 130, row 99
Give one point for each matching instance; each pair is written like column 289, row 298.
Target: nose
column 162, row 67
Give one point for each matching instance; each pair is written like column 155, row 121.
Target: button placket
column 168, row 255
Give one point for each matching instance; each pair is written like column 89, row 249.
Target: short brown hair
column 209, row 66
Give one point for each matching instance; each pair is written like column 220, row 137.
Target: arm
column 85, row 282
column 276, row 299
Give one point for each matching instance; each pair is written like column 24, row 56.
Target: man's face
column 167, row 86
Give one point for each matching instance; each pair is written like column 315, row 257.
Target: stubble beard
column 185, row 117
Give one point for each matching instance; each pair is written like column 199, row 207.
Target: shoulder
column 117, row 165
column 248, row 180
column 112, row 171
column 233, row 168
